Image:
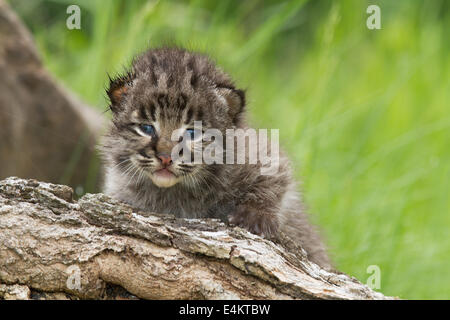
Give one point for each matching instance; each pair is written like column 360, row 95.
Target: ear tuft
column 235, row 100
column 118, row 89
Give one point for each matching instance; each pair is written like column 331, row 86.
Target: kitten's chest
column 189, row 206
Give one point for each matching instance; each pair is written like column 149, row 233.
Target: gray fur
column 170, row 88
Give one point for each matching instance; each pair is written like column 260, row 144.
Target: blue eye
column 147, row 129
column 191, row 133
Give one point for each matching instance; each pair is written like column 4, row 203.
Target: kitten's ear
column 118, row 89
column 235, row 100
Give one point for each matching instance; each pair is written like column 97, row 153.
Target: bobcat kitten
column 168, row 89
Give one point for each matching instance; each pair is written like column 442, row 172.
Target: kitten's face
column 148, row 131
column 157, row 104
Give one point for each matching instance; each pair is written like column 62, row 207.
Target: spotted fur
column 170, row 88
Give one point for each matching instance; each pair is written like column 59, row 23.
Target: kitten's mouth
column 164, row 172
column 164, row 178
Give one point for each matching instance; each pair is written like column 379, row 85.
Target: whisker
column 120, row 163
column 145, row 160
column 185, row 165
column 136, row 170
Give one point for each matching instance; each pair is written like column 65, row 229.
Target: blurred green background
column 364, row 114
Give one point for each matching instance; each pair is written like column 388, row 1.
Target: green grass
column 364, row 114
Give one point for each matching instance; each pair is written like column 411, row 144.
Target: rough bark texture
column 45, row 132
column 52, row 247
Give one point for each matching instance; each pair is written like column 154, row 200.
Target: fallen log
column 97, row 248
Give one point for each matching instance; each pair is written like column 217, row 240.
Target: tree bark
column 53, row 247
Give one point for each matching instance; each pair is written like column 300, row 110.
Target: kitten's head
column 167, row 90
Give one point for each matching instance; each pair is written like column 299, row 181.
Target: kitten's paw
column 255, row 221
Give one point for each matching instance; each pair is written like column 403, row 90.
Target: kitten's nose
column 166, row 160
